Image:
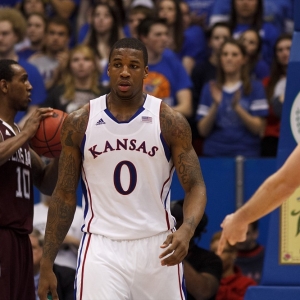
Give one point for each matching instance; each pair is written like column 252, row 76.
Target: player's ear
column 146, row 72
column 3, row 85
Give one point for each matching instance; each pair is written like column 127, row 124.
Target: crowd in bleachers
column 221, row 63
column 233, row 110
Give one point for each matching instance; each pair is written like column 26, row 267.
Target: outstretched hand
column 233, row 232
column 177, row 246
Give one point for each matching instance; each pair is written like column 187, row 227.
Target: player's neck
column 124, row 109
column 7, row 116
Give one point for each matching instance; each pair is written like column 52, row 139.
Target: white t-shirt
column 67, row 255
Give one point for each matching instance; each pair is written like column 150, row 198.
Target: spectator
column 134, row 16
column 65, row 276
column 202, row 268
column 12, row 30
column 252, row 42
column 35, row 33
column 167, row 79
column 204, row 72
column 67, row 254
column 232, row 110
column 103, row 33
column 245, row 15
column 85, row 16
column 51, row 62
column 275, row 89
column 189, row 44
column 233, row 284
column 277, row 12
column 28, row 7
column 250, row 256
column 80, row 82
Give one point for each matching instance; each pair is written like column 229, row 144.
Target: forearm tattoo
column 63, row 202
column 178, row 134
column 60, row 216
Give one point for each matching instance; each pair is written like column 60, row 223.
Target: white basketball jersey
column 126, row 173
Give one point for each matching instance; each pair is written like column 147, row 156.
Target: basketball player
column 271, row 194
column 126, row 145
column 20, row 168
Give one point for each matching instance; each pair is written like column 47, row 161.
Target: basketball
column 46, row 141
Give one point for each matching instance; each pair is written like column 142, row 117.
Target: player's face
column 167, row 10
column 157, row 39
column 81, row 65
column 232, row 59
column 283, row 49
column 245, row 8
column 102, row 19
column 57, row 38
column 8, row 38
column 35, row 29
column 127, row 71
column 250, row 41
column 19, row 88
column 218, row 37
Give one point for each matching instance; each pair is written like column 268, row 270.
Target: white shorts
column 122, row 270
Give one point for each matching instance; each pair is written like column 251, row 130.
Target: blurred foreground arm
column 270, row 195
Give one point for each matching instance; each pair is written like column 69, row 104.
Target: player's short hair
column 16, row 19
column 6, row 71
column 131, row 43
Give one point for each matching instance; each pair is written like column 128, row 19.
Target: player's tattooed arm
column 63, row 203
column 177, row 133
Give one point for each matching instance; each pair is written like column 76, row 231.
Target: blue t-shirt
column 194, row 44
column 38, row 92
column 201, row 8
column 26, row 53
column 166, row 78
column 229, row 136
column 261, row 70
column 9, row 3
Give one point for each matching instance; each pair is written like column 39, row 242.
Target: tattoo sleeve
column 177, row 133
column 63, row 203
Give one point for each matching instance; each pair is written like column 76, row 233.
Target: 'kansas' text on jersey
column 126, row 173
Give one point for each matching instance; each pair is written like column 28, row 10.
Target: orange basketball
column 46, row 141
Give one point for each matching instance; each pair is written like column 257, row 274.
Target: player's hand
column 47, row 284
column 233, row 232
column 33, row 122
column 176, row 245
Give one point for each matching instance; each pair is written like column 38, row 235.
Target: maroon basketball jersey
column 16, row 187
